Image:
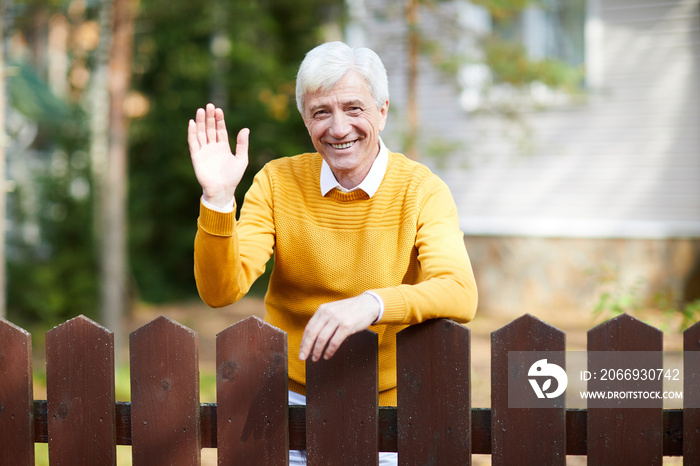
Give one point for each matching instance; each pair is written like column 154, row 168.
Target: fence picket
column 342, row 404
column 691, row 395
column 165, row 409
column 16, row 407
column 434, row 406
column 625, row 435
column 525, row 435
column 80, row 394
column 251, row 391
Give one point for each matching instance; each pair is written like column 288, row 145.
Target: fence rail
column 252, row 423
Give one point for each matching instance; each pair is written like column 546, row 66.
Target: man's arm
column 229, row 255
column 447, row 290
column 222, row 275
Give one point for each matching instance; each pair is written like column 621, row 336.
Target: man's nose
column 340, row 126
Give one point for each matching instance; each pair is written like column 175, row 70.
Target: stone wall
column 518, row 274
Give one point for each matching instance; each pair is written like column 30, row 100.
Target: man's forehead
column 352, row 88
column 324, row 100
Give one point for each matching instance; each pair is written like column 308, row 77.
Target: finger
column 221, row 132
column 307, row 342
column 326, row 334
column 192, row 140
column 334, row 343
column 210, row 123
column 242, row 141
column 199, row 121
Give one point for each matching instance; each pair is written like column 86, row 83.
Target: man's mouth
column 344, row 145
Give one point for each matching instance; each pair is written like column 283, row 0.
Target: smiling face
column 344, row 126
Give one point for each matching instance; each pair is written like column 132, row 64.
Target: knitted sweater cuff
column 216, row 223
column 394, row 305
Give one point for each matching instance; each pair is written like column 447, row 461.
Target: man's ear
column 384, row 112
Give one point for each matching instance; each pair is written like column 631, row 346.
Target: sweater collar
column 369, row 185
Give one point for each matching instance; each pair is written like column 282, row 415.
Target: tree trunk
column 413, row 57
column 3, row 144
column 112, row 198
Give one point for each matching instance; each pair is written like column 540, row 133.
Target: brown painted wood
column 123, row 418
column 386, row 425
column 576, row 420
column 434, row 403
column 525, row 436
column 342, row 404
column 207, row 418
column 16, row 429
column 673, row 432
column 625, row 435
column 165, row 409
column 251, row 391
column 297, row 427
column 691, row 395
column 388, row 435
column 41, row 421
column 481, row 431
column 80, row 394
column 481, row 428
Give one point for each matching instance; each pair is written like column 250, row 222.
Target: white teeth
column 343, row 146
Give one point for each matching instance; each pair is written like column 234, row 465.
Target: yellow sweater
column 404, row 244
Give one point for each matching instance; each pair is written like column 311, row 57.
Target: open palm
column 217, row 169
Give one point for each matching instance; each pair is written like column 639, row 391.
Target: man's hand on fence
column 334, row 322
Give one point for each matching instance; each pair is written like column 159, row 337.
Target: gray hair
column 325, row 65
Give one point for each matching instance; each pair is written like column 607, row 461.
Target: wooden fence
column 252, row 423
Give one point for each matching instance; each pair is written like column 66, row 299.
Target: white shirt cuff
column 381, row 305
column 228, row 208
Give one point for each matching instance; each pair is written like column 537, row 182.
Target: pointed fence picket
column 342, row 404
column 512, row 439
column 691, row 395
column 165, row 409
column 433, row 372
column 80, row 393
column 342, row 423
column 16, row 412
column 625, row 435
column 251, row 371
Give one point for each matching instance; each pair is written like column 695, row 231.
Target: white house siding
column 609, row 183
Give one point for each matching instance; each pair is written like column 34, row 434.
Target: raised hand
column 217, row 169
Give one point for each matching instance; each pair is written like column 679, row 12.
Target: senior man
column 362, row 237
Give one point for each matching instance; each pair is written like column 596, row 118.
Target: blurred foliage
column 243, row 57
column 618, row 298
column 504, row 9
column 509, row 62
column 482, row 52
column 53, row 277
column 31, row 97
column 240, row 55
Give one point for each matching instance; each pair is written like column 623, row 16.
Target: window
column 550, row 33
column 551, row 29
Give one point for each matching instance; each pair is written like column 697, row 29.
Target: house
column 584, row 196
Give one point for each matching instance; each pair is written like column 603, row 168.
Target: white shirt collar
column 369, row 185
